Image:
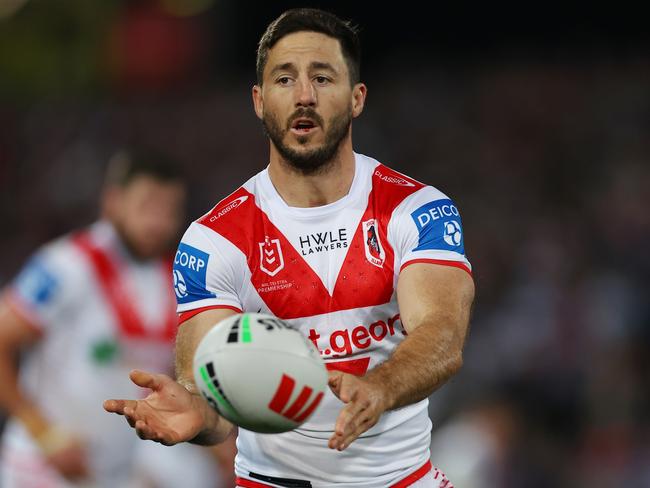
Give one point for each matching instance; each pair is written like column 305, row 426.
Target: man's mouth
column 303, row 126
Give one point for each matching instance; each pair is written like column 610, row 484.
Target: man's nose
column 306, row 94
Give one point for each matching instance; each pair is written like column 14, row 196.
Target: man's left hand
column 365, row 402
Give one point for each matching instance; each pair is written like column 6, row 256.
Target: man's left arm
column 435, row 303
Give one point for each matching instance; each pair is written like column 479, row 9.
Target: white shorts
column 433, row 479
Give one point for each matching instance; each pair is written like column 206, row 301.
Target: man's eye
column 321, row 79
column 284, row 80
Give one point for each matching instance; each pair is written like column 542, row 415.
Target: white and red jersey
column 331, row 272
column 100, row 314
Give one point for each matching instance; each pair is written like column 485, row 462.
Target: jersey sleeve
column 427, row 227
column 204, row 274
column 42, row 292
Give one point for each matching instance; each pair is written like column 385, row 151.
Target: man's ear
column 359, row 93
column 110, row 201
column 258, row 101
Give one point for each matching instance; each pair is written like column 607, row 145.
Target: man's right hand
column 169, row 414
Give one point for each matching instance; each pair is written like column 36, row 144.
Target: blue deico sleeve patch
column 190, row 270
column 439, row 227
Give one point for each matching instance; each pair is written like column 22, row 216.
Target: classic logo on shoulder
column 394, row 179
column 374, row 250
column 271, row 258
column 228, row 207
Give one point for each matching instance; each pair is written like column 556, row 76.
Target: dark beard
column 317, row 160
column 132, row 248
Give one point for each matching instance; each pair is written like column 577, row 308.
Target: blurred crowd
column 548, row 161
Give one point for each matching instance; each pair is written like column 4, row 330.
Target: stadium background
column 536, row 122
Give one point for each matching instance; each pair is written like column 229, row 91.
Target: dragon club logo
column 374, row 250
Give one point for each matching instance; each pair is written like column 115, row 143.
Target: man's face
column 306, row 102
column 148, row 214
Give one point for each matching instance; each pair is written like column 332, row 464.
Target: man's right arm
column 190, row 333
column 175, row 411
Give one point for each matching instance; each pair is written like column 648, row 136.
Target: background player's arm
column 175, row 411
column 15, row 334
column 61, row 449
column 435, row 303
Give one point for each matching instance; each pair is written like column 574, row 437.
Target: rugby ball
column 260, row 373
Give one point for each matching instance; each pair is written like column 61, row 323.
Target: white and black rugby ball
column 260, row 373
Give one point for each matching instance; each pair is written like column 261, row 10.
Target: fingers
column 127, row 408
column 357, row 426
column 143, row 430
column 364, row 423
column 333, row 377
column 361, row 412
column 342, row 385
column 118, row 406
column 145, row 380
column 146, row 432
column 351, row 422
column 349, row 416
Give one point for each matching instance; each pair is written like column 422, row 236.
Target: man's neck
column 322, row 188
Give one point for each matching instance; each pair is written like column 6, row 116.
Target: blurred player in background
column 368, row 263
column 86, row 309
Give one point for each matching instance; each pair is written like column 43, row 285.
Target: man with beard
column 85, row 310
column 398, row 295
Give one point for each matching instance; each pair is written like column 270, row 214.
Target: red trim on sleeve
column 413, row 477
column 20, row 308
column 185, row 316
column 443, row 262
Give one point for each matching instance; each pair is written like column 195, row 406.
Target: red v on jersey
column 285, row 281
column 111, row 281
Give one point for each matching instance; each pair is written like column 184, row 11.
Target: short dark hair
column 129, row 162
column 312, row 20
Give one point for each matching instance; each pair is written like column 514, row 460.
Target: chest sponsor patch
column 439, row 227
column 329, row 240
column 190, row 271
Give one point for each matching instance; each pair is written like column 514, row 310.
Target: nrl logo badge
column 271, row 259
column 374, row 250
